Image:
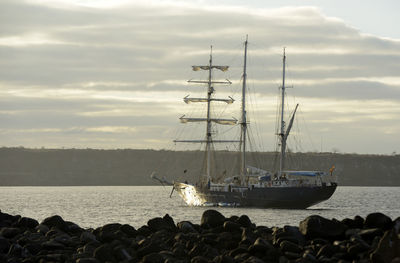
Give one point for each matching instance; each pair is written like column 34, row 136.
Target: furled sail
column 232, row 121
column 188, row 100
column 222, row 68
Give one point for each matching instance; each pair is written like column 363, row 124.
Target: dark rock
column 356, row 249
column 212, row 218
column 294, row 233
column 87, row 260
column 210, row 239
column 253, row 259
column 357, row 222
column 27, row 222
column 129, row 230
column 64, row 239
column 260, row 246
column 148, row 249
column 33, row 248
column 327, row 251
column 9, row 232
column 378, row 220
column 292, row 255
column 199, row 259
column 370, row 234
column 197, row 250
column 318, row 227
column 287, row 246
column 242, row 257
column 248, row 236
column 237, row 251
column 87, row 237
column 179, row 251
column 244, row 221
column 55, row 258
column 230, row 226
column 73, row 229
column 52, row 245
column 309, row 257
column 17, row 251
column 263, row 231
column 121, row 253
column 4, row 245
column 227, row 240
column 43, row 229
column 165, row 223
column 186, row 227
column 55, row 221
column 319, row 241
column 223, row 259
column 388, row 248
column 104, row 253
column 109, row 232
column 144, row 231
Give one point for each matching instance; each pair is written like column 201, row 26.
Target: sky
column 112, row 74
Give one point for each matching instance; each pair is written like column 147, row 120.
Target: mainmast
column 284, row 134
column 244, row 120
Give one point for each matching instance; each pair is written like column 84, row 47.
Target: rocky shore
column 218, row 239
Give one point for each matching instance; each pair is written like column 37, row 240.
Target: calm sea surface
column 135, row 205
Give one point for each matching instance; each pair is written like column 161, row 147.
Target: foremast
column 284, row 134
column 209, row 118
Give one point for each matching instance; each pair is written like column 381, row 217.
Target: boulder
column 287, row 246
column 129, row 230
column 87, row 237
column 104, row 253
column 4, row 245
column 378, row 220
column 9, row 232
column 318, row 227
column 27, row 222
column 87, row 260
column 244, row 221
column 55, row 221
column 212, row 218
column 230, row 226
column 370, row 234
column 186, row 227
column 165, row 223
column 388, row 248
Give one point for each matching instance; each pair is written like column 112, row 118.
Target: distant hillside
column 34, row 167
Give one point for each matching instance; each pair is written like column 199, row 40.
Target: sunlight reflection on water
column 94, row 206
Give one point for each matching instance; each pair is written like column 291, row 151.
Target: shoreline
column 219, row 239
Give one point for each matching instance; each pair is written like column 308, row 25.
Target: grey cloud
column 150, row 48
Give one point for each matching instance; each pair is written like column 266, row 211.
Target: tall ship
column 248, row 186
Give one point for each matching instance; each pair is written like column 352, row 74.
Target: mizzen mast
column 284, row 134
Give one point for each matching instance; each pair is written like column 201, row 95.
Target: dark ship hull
column 262, row 197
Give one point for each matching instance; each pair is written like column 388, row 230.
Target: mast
column 209, row 120
column 208, row 130
column 244, row 120
column 282, row 133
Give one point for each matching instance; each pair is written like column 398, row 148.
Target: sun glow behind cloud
column 114, row 68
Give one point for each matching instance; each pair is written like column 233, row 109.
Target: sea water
column 95, row 206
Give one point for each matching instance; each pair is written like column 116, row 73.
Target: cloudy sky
column 112, row 74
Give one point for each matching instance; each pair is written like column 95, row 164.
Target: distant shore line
column 338, row 152
column 375, row 238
